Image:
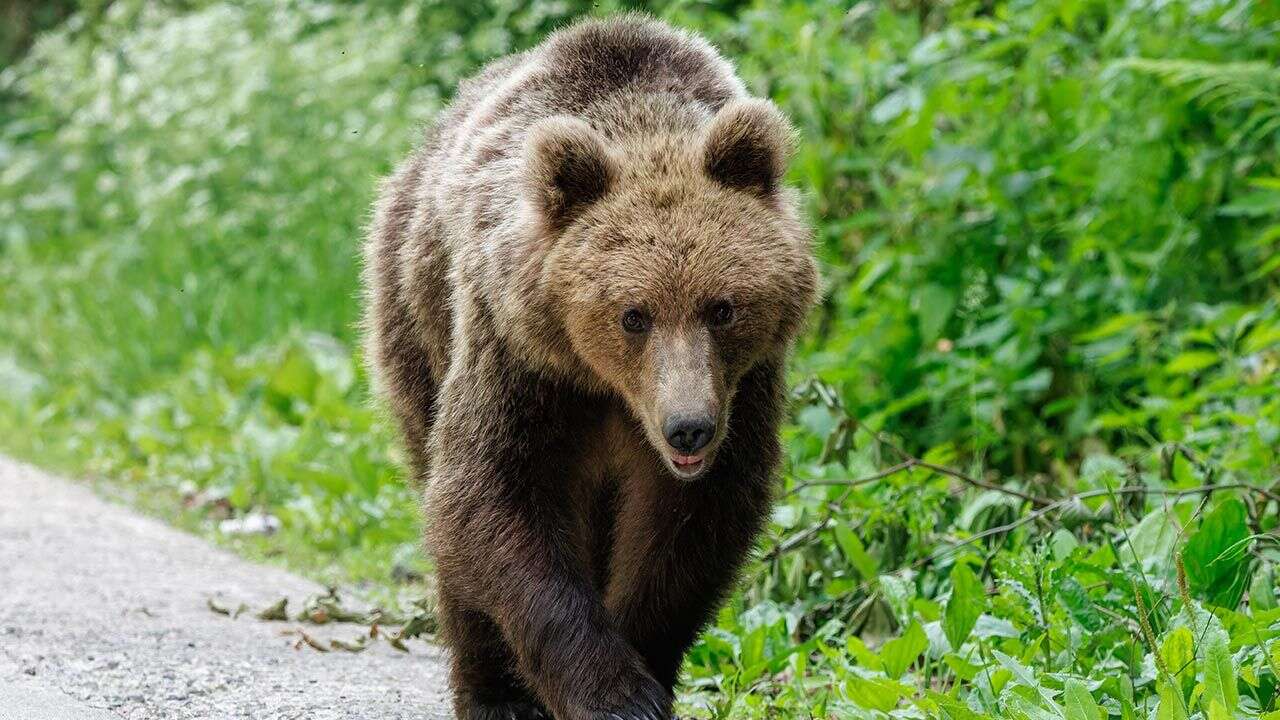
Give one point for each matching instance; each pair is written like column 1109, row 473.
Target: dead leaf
column 278, row 611
column 360, row 644
column 313, row 642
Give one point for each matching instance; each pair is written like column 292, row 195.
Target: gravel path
column 103, row 615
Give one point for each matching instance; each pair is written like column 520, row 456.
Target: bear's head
column 677, row 262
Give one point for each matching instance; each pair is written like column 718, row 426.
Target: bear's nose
column 688, row 433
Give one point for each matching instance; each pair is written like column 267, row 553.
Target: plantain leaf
column 899, row 653
column 1221, row 696
column 855, row 552
column 1215, row 555
column 968, row 601
column 1079, row 703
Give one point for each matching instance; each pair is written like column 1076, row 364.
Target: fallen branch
column 1072, row 499
column 900, row 467
column 909, row 462
column 800, row 538
column 962, row 477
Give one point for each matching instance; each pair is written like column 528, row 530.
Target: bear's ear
column 567, row 168
column 748, row 145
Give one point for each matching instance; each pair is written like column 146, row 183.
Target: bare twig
column 962, row 477
column 888, row 472
column 800, row 538
column 1072, row 499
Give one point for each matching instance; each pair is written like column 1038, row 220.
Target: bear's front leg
column 498, row 513
column 678, row 545
column 482, row 664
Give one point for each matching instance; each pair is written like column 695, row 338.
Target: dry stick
column 1129, row 490
column 918, row 463
column 801, row 537
column 894, row 470
column 951, row 472
column 910, row 462
column 796, row 540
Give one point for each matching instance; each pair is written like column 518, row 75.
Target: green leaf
column 1262, row 590
column 1153, row 538
column 1220, row 697
column 967, row 602
column 1076, row 600
column 899, row 653
column 1179, row 655
column 855, row 552
column 861, row 655
column 1019, row 707
column 1191, row 361
column 1171, row 705
column 1023, row 676
column 934, row 304
column 1215, row 555
column 897, row 594
column 875, row 693
column 1258, row 203
column 952, row 709
column 1079, row 703
column 1114, row 325
column 1063, row 543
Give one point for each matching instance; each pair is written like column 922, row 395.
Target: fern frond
column 1219, row 87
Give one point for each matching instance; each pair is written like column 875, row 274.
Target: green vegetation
column 1035, row 456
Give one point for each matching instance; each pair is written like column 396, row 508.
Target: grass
column 1032, row 460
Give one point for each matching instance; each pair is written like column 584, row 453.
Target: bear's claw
column 508, row 711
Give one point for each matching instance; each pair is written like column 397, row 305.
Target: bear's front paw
column 647, row 701
column 518, row 710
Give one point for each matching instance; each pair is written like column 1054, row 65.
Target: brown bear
column 582, row 290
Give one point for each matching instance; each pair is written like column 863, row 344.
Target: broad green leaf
column 1264, row 335
column 1191, row 361
column 864, row 657
column 899, row 653
column 1076, row 600
column 951, row 708
column 896, row 103
column 1112, row 326
column 1220, row 696
column 934, row 304
column 1179, row 655
column 1079, row 703
column 1172, row 706
column 1153, row 538
column 1216, row 711
column 962, row 668
column 1019, row 707
column 988, row 626
column 1023, row 676
column 876, row 693
column 1215, row 554
column 967, row 602
column 855, row 552
column 1262, row 590
column 1257, row 203
column 897, row 593
column 1063, row 542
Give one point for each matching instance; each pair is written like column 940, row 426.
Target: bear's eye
column 720, row 313
column 634, row 321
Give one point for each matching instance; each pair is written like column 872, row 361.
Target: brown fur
column 617, row 168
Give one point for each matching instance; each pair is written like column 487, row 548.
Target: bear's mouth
column 687, row 467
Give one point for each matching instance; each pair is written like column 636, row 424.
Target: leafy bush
column 1032, row 471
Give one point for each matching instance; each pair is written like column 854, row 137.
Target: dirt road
column 103, row 614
